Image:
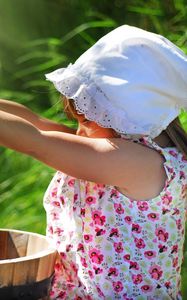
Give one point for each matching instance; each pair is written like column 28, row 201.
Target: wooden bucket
column 26, row 265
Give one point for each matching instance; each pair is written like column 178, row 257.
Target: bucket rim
column 51, row 250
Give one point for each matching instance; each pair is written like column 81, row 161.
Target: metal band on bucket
column 30, row 291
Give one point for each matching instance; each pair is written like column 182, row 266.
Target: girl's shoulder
column 159, row 166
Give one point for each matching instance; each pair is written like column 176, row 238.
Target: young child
column 116, row 205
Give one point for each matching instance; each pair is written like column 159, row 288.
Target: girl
column 116, row 205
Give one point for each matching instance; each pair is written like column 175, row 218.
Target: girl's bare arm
column 116, row 162
column 38, row 121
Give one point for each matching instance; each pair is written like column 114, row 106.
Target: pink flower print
column 137, row 278
column 128, row 220
column 62, row 295
column 118, row 286
column 174, row 249
column 90, row 274
column 179, row 224
column 98, row 218
column 139, row 243
column 167, row 284
column 165, row 210
column 170, row 170
column 54, row 192
column 118, row 247
column 182, row 175
column 89, row 298
column 99, row 231
column 80, row 247
column 113, row 272
column 146, row 288
column 71, row 182
column 101, row 194
column 173, row 153
column 54, row 216
column 156, row 272
column 118, row 208
column 175, row 262
column 78, row 298
column 63, row 255
column 167, row 198
column 134, row 265
column 58, row 267
column 176, row 211
column 100, row 292
column 126, row 298
column 55, row 203
column 150, row 254
column 50, row 229
column 98, row 270
column 58, row 231
column 126, row 257
column 84, row 263
column 74, row 267
column 153, row 216
column 52, row 293
column 142, row 205
column 88, row 238
column 90, row 200
column 162, row 248
column 68, row 247
column 136, row 228
column 62, row 200
column 75, row 197
column 114, row 193
column 96, row 256
column 59, row 179
column 161, row 234
column 83, row 212
column 114, row 232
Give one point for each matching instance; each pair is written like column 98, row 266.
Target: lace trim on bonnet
column 74, row 85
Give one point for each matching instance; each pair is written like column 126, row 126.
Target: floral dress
column 113, row 247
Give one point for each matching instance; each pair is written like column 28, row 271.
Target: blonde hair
column 175, row 132
column 69, row 108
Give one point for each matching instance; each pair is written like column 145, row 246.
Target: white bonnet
column 130, row 80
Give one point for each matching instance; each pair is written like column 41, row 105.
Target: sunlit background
column 38, row 36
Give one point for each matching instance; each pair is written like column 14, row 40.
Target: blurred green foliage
column 38, row 36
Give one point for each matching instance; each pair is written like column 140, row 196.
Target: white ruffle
column 91, row 101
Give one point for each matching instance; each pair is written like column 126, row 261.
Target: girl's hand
column 24, row 112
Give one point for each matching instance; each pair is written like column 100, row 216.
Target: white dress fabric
column 112, row 247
